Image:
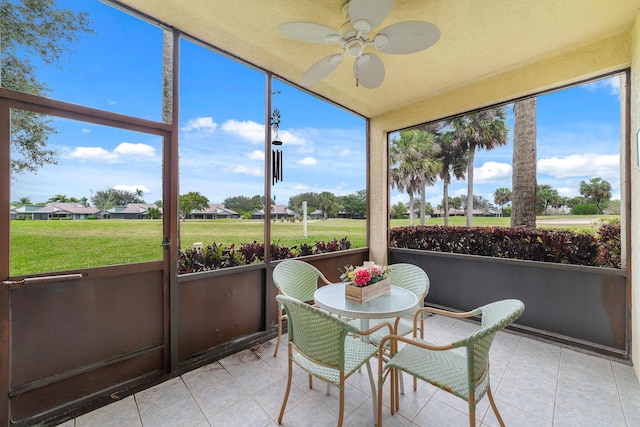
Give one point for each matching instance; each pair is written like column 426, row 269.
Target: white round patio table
column 396, row 303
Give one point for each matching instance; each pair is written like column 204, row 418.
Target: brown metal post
column 170, row 212
column 5, row 321
column 267, row 198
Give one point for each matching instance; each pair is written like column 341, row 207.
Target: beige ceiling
column 480, row 39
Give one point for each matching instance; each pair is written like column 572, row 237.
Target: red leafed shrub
column 558, row 246
column 213, row 256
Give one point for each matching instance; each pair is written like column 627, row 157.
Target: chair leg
column 286, row 393
column 275, row 353
column 341, row 410
column 374, row 394
column 495, row 408
column 472, row 410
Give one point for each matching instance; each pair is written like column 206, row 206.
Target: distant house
column 130, row 211
column 54, row 210
column 317, row 214
column 214, row 212
column 437, row 213
column 277, row 212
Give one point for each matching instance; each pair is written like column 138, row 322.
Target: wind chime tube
column 273, row 167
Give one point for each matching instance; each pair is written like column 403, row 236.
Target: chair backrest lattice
column 297, row 279
column 317, row 335
column 495, row 317
column 410, row 277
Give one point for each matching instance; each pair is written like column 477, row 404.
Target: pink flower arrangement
column 365, row 275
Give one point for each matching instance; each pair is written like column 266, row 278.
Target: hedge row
column 213, row 256
column 546, row 245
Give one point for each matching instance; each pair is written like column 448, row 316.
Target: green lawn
column 44, row 246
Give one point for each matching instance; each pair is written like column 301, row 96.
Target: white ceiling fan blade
column 321, row 69
column 368, row 14
column 309, row 32
column 369, row 70
column 406, row 37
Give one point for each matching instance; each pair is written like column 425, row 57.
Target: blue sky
column 222, row 128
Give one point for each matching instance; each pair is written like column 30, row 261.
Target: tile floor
column 535, row 384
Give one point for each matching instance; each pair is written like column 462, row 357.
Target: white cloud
column 292, row 137
column 585, row 165
column 301, row 188
column 492, row 172
column 345, row 153
column 256, row 155
column 201, row 125
column 112, row 101
column 85, row 130
column 307, row 161
column 612, row 84
column 249, row 130
column 96, row 154
column 131, row 149
column 247, row 170
column 99, row 154
column 132, row 188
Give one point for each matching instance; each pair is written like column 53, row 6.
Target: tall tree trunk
column 412, row 205
column 523, row 206
column 445, row 202
column 423, row 203
column 472, row 153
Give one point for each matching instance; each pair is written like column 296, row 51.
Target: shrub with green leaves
column 213, row 256
column 533, row 244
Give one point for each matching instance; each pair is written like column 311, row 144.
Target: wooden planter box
column 364, row 294
column 585, row 306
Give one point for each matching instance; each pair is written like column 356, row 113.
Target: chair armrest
column 324, row 279
column 418, row 343
column 375, row 328
column 453, row 314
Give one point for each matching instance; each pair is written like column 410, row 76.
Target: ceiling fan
column 362, row 16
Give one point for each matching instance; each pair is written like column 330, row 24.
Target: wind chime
column 276, row 155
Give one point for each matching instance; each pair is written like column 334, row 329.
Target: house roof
column 276, row 209
column 132, row 208
column 218, row 209
column 480, row 41
column 57, row 207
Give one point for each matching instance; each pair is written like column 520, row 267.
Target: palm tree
column 546, row 196
column 484, row 129
column 501, row 197
column 454, row 162
column 523, row 181
column 60, row 198
column 596, row 189
column 411, row 169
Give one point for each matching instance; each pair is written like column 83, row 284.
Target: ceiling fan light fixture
column 335, row 59
column 354, row 48
column 363, row 60
column 362, row 25
column 380, row 41
column 332, row 38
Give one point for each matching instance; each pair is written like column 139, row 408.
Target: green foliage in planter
column 213, row 256
column 558, row 246
column 610, row 249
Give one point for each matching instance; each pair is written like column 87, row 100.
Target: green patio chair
column 463, row 375
column 297, row 279
column 414, row 279
column 324, row 346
